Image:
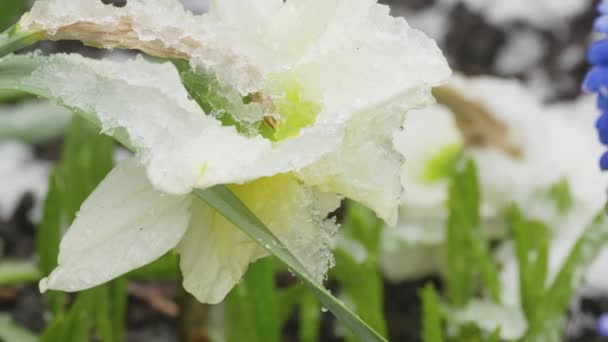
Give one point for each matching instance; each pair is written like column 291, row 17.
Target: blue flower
column 596, row 80
column 602, row 325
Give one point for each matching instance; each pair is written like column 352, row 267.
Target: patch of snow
column 20, row 173
column 545, row 14
column 33, row 121
column 490, row 316
column 523, row 50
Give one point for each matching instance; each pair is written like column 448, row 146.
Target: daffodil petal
column 214, row 254
column 181, row 147
column 123, row 225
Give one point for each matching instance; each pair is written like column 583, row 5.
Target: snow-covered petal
column 366, row 167
column 215, row 254
column 361, row 68
column 179, row 144
column 123, row 225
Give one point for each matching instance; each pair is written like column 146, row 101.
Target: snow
column 546, row 14
column 33, row 121
column 522, row 51
column 21, row 173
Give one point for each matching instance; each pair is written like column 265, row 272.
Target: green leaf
column 357, row 266
column 532, row 249
column 77, row 324
column 362, row 224
column 548, row 322
column 432, row 330
column 15, row 38
column 362, row 288
column 87, row 158
column 49, row 231
column 10, row 11
column 9, row 96
column 206, row 90
column 442, row 164
column 495, row 336
column 252, row 309
column 562, row 196
column 48, row 238
column 17, row 272
column 310, row 318
column 164, row 268
column 111, row 305
column 467, row 254
column 225, row 202
column 11, row 332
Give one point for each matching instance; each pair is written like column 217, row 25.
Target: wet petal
column 123, row 225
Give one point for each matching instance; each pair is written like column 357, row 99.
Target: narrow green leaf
column 432, row 330
column 164, row 268
column 49, row 231
column 532, row 249
column 467, row 254
column 11, row 332
column 225, row 202
column 357, row 266
column 548, row 322
column 76, row 325
column 110, row 305
column 86, row 159
column 48, row 238
column 442, row 164
column 15, row 38
column 362, row 224
column 562, row 196
column 309, row 318
column 18, row 272
column 252, row 309
column 206, row 90
column 9, row 96
column 361, row 287
column 495, row 336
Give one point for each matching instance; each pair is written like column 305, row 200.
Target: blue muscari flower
column 596, row 80
column 602, row 325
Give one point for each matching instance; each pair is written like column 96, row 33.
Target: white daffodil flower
column 333, row 77
column 551, row 137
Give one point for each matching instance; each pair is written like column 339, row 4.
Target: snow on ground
column 21, row 173
column 546, row 14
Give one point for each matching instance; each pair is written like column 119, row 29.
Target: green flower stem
column 15, row 39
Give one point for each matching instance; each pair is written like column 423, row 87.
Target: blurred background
column 530, row 56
